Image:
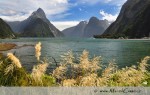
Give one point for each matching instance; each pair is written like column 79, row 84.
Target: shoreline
column 7, row 46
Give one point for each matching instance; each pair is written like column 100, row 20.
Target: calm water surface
column 125, row 52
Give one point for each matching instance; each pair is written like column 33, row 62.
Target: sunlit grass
column 86, row 72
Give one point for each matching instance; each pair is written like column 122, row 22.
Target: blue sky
column 62, row 13
column 84, row 11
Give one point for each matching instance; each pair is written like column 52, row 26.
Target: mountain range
column 87, row 29
column 132, row 22
column 36, row 25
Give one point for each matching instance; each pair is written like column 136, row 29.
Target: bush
column 11, row 75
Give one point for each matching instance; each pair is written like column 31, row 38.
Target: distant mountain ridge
column 87, row 29
column 95, row 27
column 75, row 31
column 133, row 20
column 36, row 25
column 5, row 30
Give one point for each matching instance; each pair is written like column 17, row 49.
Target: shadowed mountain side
column 132, row 22
column 38, row 28
column 95, row 27
column 87, row 29
column 76, row 31
column 5, row 30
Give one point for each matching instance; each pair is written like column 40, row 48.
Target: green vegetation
column 13, row 75
column 1, row 55
column 5, row 30
column 72, row 71
column 112, row 36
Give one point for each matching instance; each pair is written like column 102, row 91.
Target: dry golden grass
column 85, row 72
column 38, row 50
column 69, row 82
column 128, row 76
column 59, row 72
column 14, row 60
column 88, row 80
column 6, row 46
column 12, row 73
column 38, row 71
column 143, row 64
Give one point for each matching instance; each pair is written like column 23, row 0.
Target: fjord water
column 124, row 52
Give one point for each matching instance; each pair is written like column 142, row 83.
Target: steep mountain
column 133, row 20
column 87, row 29
column 42, row 27
column 37, row 28
column 5, row 30
column 95, row 27
column 76, row 31
column 15, row 25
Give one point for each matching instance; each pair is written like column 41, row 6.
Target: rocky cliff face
column 87, row 29
column 5, row 30
column 133, row 20
column 42, row 27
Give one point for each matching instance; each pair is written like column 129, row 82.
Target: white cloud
column 109, row 17
column 21, row 9
column 15, row 17
column 61, row 25
column 61, row 16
